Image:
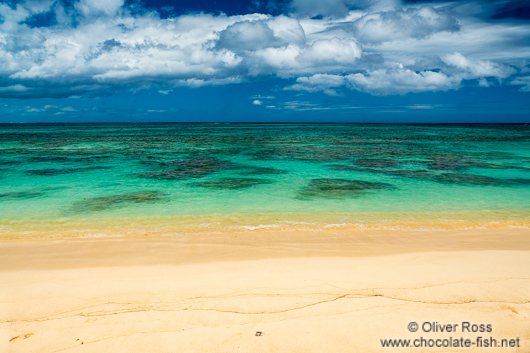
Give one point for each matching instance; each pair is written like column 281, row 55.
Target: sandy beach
column 321, row 291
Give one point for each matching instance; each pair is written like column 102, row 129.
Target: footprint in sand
column 21, row 337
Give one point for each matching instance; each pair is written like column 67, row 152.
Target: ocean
column 97, row 180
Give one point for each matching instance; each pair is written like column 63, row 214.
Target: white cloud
column 524, row 81
column 319, row 82
column 471, row 69
column 257, row 102
column 321, row 55
column 392, row 80
column 381, row 47
column 415, row 22
column 99, row 7
column 422, row 106
column 304, row 106
column 249, row 35
column 398, row 80
column 259, row 96
column 14, row 88
column 34, row 110
column 246, row 35
column 288, row 29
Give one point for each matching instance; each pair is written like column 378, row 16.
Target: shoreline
column 339, row 291
column 226, row 224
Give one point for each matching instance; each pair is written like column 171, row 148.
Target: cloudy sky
column 265, row 60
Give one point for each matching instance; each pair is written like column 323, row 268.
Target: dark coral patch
column 66, row 159
column 378, row 163
column 120, row 200
column 472, row 179
column 262, row 171
column 21, row 195
column 456, row 164
column 442, row 178
column 517, row 181
column 303, row 152
column 54, row 159
column 349, row 168
column 186, row 169
column 231, row 183
column 408, row 173
column 199, row 162
column 339, row 188
column 465, row 179
column 60, row 171
column 175, row 174
column 447, row 164
column 7, row 162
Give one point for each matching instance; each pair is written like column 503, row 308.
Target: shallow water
column 209, row 176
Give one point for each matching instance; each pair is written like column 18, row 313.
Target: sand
column 320, row 291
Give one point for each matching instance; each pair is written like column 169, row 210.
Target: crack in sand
column 239, row 294
column 343, row 296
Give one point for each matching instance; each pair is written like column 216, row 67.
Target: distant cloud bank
column 384, row 47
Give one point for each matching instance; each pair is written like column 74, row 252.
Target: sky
column 265, row 61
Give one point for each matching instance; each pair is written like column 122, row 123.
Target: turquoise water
column 98, row 172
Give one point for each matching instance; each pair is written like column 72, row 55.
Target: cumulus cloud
column 400, row 81
column 248, row 35
column 471, row 69
column 394, row 80
column 415, row 22
column 321, row 55
column 254, row 35
column 319, row 82
column 96, row 47
column 397, row 79
column 524, row 81
column 99, row 7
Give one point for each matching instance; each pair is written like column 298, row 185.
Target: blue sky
column 278, row 61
